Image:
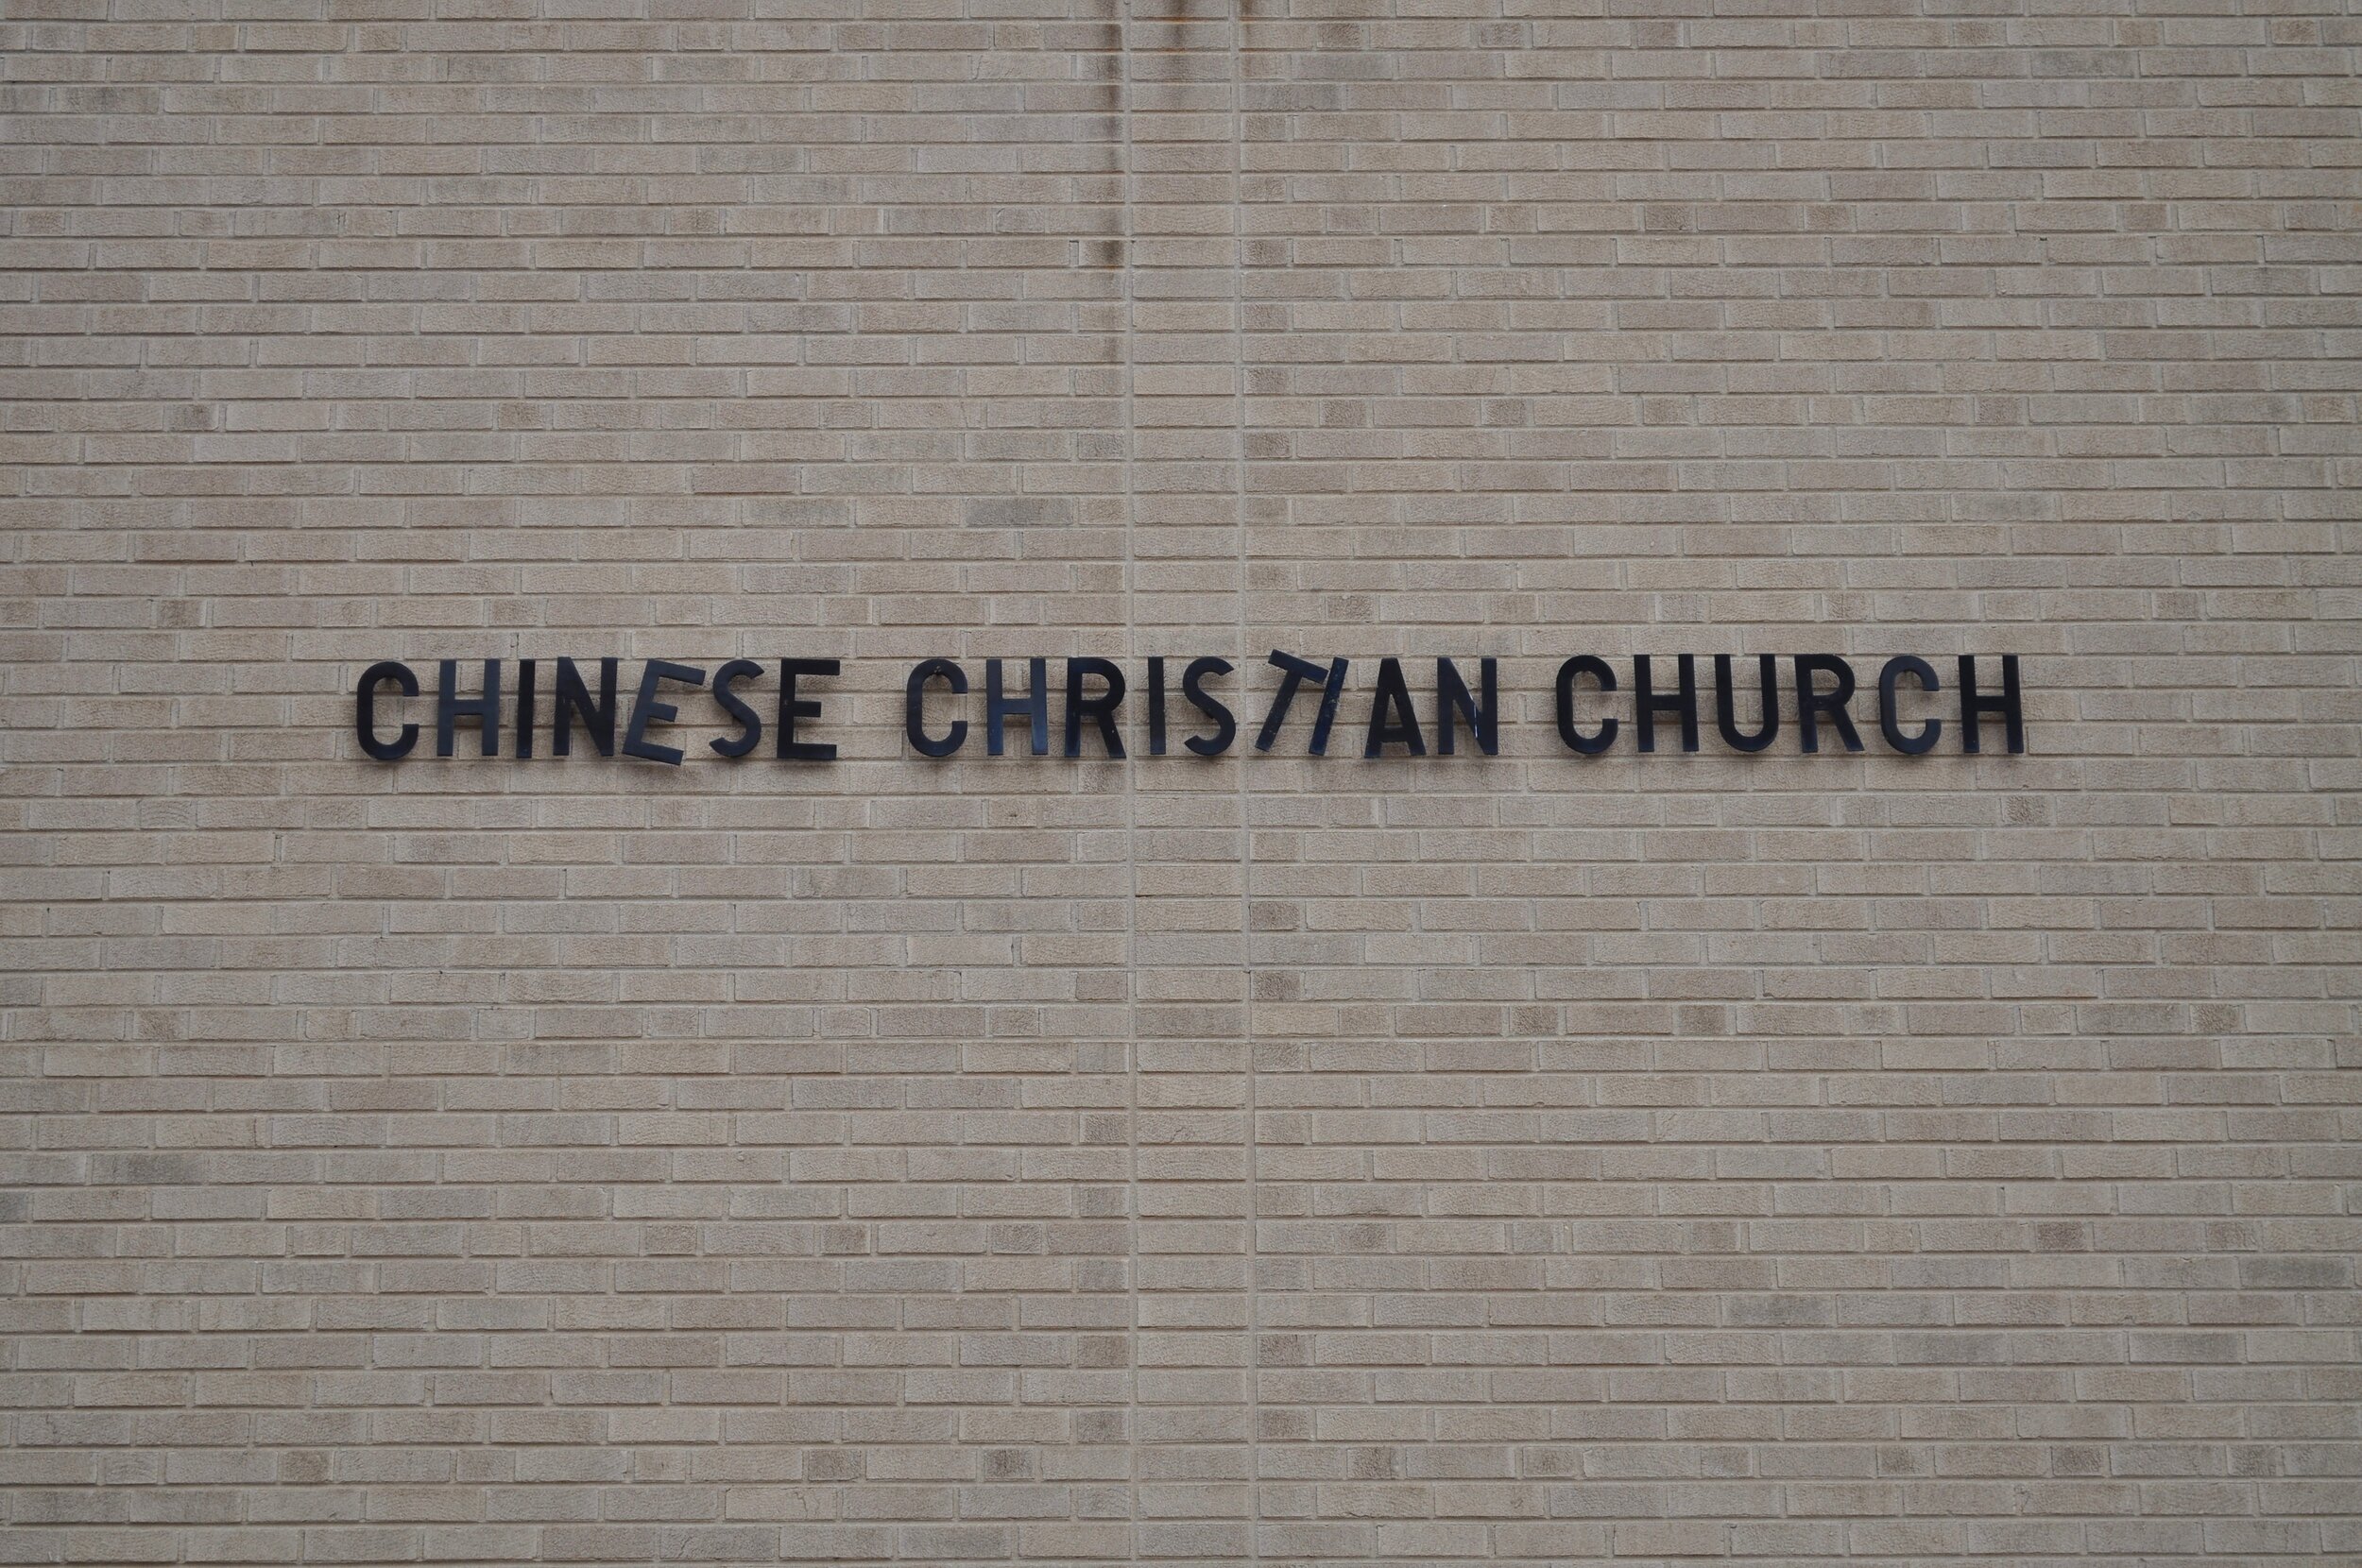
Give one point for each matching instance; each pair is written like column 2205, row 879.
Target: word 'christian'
column 942, row 708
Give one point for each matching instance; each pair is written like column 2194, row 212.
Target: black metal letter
column 1155, row 705
column 525, row 695
column 365, row 710
column 1975, row 708
column 1726, row 703
column 1393, row 720
column 1194, row 688
column 1294, row 671
column 795, row 708
column 1102, row 708
column 647, row 711
column 1889, row 679
column 915, row 703
column 570, row 702
column 1331, row 690
column 1812, row 705
column 1649, row 704
column 1035, row 706
column 449, row 707
column 749, row 722
column 1583, row 664
column 1452, row 703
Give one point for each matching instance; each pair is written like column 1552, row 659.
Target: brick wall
column 1267, row 1159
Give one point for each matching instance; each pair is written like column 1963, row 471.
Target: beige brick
column 1515, row 1160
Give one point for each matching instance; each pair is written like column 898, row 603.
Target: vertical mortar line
column 1131, row 837
column 1247, row 828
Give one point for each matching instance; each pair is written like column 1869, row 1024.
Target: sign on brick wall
column 944, row 710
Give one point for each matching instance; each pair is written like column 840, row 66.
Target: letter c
column 365, row 710
column 1583, row 664
column 915, row 705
